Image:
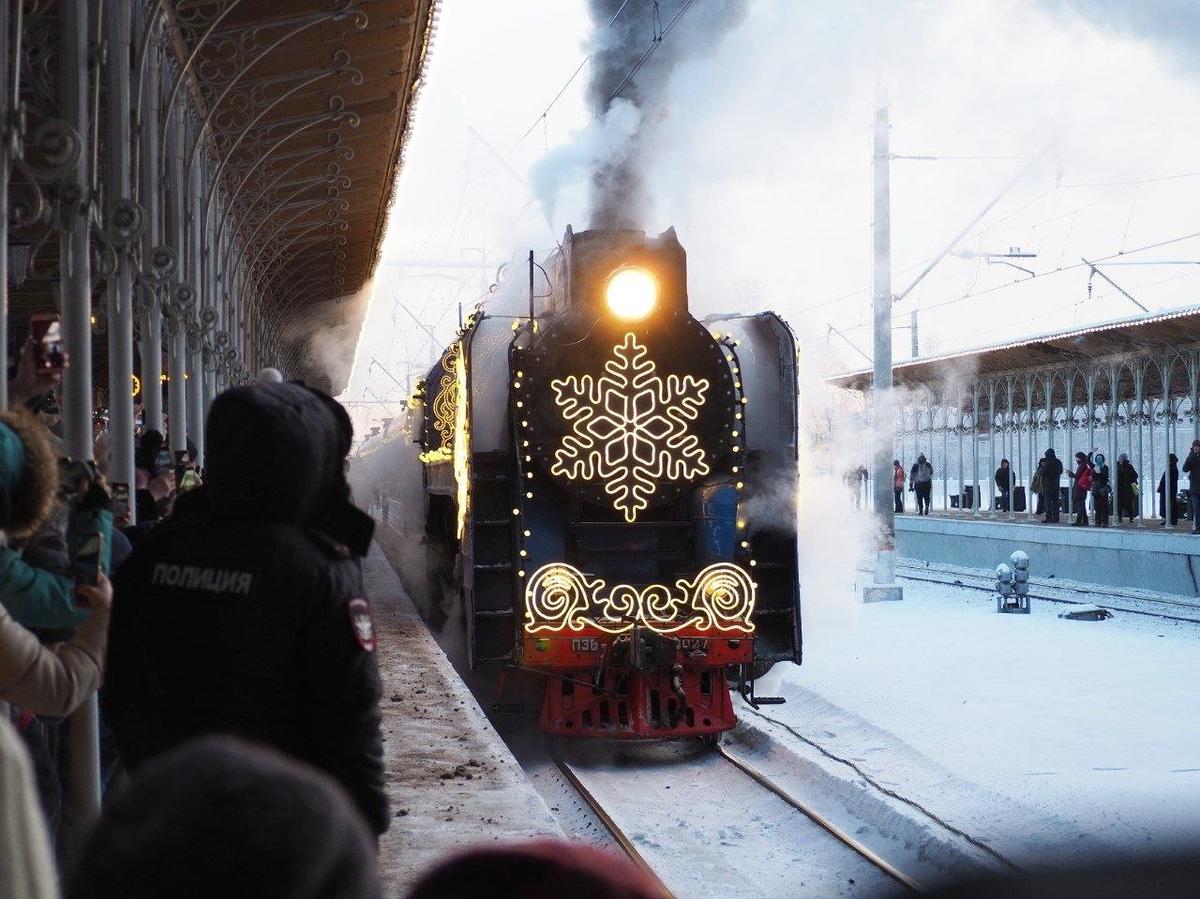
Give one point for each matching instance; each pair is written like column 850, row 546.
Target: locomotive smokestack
column 636, row 45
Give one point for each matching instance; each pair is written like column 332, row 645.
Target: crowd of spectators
column 1097, row 491
column 219, row 612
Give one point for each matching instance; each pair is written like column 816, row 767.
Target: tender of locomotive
column 617, row 479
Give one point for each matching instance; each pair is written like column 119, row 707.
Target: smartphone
column 87, row 560
column 181, row 464
column 120, row 501
column 49, row 354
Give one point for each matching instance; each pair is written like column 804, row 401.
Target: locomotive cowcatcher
column 617, row 479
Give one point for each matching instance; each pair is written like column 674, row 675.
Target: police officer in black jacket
column 244, row 613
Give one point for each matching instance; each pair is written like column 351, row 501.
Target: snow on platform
column 1038, row 737
column 451, row 780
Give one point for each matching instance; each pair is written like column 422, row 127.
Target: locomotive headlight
column 631, row 293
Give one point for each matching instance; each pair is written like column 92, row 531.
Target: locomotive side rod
column 824, row 823
column 617, row 834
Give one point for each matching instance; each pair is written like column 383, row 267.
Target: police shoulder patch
column 361, row 624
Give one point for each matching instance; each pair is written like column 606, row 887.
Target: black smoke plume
column 636, row 46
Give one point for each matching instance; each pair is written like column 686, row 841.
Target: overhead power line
column 1058, row 271
column 562, row 90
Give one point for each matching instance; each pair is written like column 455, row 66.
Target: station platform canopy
column 1160, row 340
column 257, row 163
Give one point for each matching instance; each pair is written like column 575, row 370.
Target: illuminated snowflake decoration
column 629, row 427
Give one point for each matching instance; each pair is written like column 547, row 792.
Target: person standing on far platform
column 244, row 613
column 1082, row 476
column 898, row 484
column 1101, row 490
column 1003, row 479
column 1168, row 487
column 921, row 483
column 1035, row 487
column 1052, row 470
column 1126, row 488
column 1192, row 466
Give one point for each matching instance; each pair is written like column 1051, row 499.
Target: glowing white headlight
column 632, row 294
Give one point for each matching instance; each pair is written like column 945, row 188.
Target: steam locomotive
column 616, row 480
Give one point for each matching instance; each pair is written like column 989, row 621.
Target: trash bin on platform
column 1018, row 498
column 968, row 496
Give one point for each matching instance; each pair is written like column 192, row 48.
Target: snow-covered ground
column 1045, row 738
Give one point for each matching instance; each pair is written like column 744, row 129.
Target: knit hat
column 222, row 817
column 543, row 869
column 28, row 474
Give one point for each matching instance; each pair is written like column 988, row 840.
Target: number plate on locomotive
column 585, row 645
column 693, row 646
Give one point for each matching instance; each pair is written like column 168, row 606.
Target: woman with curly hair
column 35, row 678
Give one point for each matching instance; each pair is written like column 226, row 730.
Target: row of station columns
column 1018, row 420
column 135, row 211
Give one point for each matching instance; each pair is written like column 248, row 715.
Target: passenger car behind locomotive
column 617, row 479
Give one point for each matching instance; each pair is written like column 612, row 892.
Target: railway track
column 839, row 852
column 1168, row 610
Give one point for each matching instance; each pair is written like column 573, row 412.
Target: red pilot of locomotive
column 617, row 480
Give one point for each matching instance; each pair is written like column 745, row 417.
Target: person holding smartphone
column 33, row 379
column 35, row 678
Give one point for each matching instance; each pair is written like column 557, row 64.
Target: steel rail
column 956, row 580
column 617, row 834
column 824, row 823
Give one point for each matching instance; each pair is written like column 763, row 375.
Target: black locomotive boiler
column 616, row 480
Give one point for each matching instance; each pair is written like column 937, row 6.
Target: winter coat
column 26, row 866
column 1192, row 466
column 33, row 587
column 1051, row 473
column 35, row 597
column 1172, row 484
column 279, row 642
column 1100, row 479
column 921, row 473
column 898, row 477
column 50, row 680
column 1126, row 477
column 1083, row 476
column 1002, row 478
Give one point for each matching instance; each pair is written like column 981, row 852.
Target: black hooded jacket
column 1051, row 471
column 244, row 614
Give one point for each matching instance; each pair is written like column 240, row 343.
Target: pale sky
column 762, row 164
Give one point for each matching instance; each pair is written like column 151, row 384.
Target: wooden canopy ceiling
column 313, row 75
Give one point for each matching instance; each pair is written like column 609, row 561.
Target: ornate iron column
column 154, row 256
column 1138, row 383
column 123, row 220
column 180, row 292
column 975, row 491
column 76, row 299
column 194, row 364
column 7, row 135
column 1031, row 427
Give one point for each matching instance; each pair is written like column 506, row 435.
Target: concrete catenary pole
column 883, row 421
column 76, row 286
